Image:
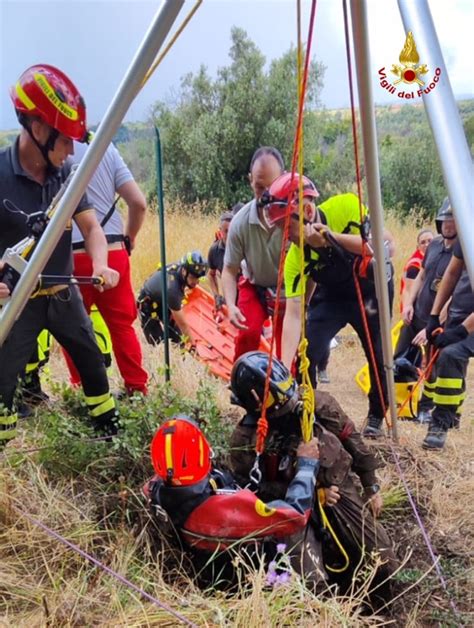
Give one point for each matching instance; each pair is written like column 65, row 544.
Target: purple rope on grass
column 108, row 570
column 425, row 534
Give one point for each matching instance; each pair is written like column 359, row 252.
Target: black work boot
column 436, row 437
column 374, row 428
column 423, row 417
column 31, row 390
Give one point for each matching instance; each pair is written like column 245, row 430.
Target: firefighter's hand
column 219, row 301
column 236, row 317
column 309, row 450
column 331, row 495
column 376, row 503
column 407, row 314
column 314, row 235
column 420, row 339
column 109, row 275
column 4, row 291
column 450, row 336
column 431, row 326
column 190, row 345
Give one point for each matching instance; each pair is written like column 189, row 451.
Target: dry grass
column 42, row 583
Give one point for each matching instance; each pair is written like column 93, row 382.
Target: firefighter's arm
column 350, row 242
column 136, row 203
column 180, row 319
column 332, row 417
column 412, row 289
column 469, row 323
column 212, row 279
column 291, row 331
column 455, row 334
column 229, row 285
column 388, row 237
column 300, row 493
column 96, row 247
column 409, row 295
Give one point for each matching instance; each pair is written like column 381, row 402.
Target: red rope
column 424, row 376
column 368, row 336
column 262, row 429
column 365, row 252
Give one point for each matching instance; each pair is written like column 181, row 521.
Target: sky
column 94, row 41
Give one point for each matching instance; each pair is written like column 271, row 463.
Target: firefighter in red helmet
column 215, row 517
column 334, row 232
column 52, row 114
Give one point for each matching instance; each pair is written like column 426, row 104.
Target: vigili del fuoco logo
column 410, row 72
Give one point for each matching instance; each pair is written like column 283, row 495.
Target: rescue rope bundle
column 307, row 391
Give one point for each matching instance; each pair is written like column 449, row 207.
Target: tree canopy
column 211, row 132
column 212, row 126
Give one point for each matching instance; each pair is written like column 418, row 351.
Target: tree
column 411, row 176
column 210, row 134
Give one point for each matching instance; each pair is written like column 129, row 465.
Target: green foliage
column 211, row 133
column 70, row 447
column 411, row 176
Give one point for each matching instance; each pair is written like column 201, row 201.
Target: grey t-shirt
column 251, row 242
column 111, row 173
column 434, row 264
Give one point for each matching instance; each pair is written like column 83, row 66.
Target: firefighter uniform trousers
column 62, row 314
column 30, row 378
column 449, row 388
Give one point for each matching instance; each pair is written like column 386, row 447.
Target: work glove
column 431, row 326
column 219, row 301
column 450, row 336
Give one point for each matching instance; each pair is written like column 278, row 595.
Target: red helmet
column 180, row 452
column 282, row 191
column 46, row 92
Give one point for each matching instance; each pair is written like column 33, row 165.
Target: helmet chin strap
column 47, row 147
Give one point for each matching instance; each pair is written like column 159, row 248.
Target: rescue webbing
column 411, row 499
column 262, row 426
column 97, row 563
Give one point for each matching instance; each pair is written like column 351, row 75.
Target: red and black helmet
column 44, row 91
column 180, row 453
column 281, row 197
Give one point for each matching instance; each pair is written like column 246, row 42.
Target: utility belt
column 49, row 292
column 115, row 241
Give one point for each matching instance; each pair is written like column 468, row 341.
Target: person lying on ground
column 215, row 519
